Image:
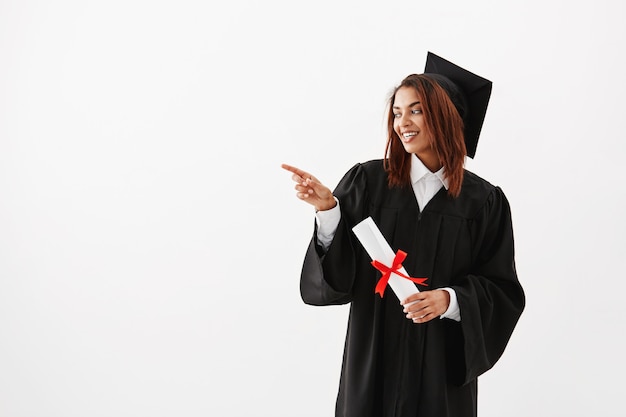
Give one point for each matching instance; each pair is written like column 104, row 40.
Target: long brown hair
column 445, row 127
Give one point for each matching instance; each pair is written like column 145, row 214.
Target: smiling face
column 410, row 126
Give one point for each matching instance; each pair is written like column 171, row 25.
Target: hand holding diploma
column 424, row 306
column 420, row 307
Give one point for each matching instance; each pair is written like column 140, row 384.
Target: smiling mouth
column 409, row 135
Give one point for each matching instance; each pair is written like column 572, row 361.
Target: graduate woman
column 419, row 357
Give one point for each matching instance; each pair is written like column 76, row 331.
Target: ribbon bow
column 395, row 268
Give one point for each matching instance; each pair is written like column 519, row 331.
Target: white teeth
column 409, row 134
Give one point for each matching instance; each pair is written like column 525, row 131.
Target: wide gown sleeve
column 328, row 277
column 491, row 298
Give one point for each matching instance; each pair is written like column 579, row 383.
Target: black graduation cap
column 469, row 93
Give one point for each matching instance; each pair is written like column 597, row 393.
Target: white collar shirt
column 426, row 183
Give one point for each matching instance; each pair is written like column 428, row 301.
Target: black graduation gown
column 393, row 367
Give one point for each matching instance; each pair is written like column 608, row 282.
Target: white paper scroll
column 378, row 249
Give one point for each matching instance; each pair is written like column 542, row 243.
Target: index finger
column 296, row 171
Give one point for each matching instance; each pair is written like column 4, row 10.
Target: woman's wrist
column 327, row 205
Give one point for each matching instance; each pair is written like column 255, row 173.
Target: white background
column 150, row 244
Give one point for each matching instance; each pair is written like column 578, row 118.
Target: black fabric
column 393, row 367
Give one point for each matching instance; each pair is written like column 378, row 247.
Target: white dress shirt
column 425, row 185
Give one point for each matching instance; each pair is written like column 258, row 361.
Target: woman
column 421, row 358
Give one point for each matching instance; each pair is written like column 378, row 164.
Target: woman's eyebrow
column 410, row 105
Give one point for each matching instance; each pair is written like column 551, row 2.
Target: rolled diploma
column 378, row 249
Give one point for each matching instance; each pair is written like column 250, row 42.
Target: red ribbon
column 395, row 268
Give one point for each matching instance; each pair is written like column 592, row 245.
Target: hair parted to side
column 445, row 127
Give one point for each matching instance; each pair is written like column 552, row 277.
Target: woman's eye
column 416, row 111
column 397, row 115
